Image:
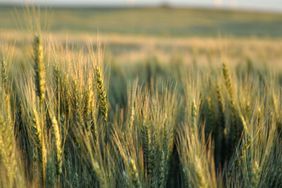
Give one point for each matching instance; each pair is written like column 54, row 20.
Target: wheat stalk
column 58, row 144
column 4, row 74
column 102, row 95
column 39, row 68
column 227, row 79
column 40, row 143
column 134, row 174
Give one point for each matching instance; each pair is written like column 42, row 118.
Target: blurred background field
column 155, row 21
column 167, row 33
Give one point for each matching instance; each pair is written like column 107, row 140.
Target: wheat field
column 114, row 110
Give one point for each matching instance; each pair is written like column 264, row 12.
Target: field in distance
column 168, row 22
column 137, row 34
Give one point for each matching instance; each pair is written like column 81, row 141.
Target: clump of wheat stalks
column 10, row 164
column 152, row 135
column 39, row 68
column 127, row 151
column 256, row 155
column 196, row 158
column 7, row 153
column 102, row 94
column 236, row 121
column 99, row 174
column 98, row 154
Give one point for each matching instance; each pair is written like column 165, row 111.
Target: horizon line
column 141, row 5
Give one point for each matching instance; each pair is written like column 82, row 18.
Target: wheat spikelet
column 40, row 144
column 148, row 150
column 134, row 174
column 219, row 99
column 145, row 142
column 58, row 144
column 165, row 154
column 67, row 95
column 39, row 68
column 152, row 158
column 77, row 107
column 236, row 122
column 43, row 161
column 4, row 74
column 227, row 79
column 7, row 148
column 102, row 95
column 198, row 174
column 162, row 170
column 89, row 99
column 244, row 124
column 58, row 79
column 89, row 109
column 8, row 108
column 194, row 114
column 255, row 174
column 220, row 139
column 131, row 118
column 3, row 142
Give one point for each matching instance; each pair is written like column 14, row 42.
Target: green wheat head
column 102, row 95
column 39, row 68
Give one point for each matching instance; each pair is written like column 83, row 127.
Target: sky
column 275, row 5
